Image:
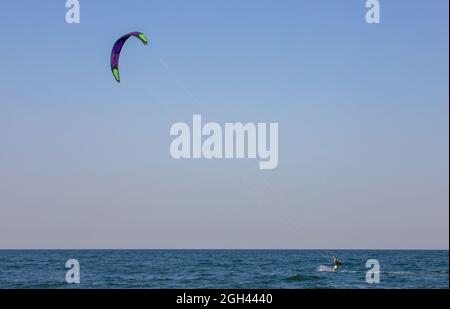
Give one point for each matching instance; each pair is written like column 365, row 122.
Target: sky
column 362, row 112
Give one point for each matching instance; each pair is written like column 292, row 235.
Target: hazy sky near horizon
column 362, row 111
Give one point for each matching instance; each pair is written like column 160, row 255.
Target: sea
column 247, row 269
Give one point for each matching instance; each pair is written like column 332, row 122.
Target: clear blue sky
column 362, row 109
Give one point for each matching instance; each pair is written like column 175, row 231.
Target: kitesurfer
column 336, row 263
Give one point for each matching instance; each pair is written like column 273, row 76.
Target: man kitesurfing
column 336, row 263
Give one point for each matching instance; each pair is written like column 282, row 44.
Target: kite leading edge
column 117, row 48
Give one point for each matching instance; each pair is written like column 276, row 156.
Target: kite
column 115, row 53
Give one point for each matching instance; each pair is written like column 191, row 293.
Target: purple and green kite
column 115, row 53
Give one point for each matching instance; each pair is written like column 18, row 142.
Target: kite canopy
column 115, row 53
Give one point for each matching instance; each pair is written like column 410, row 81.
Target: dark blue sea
column 131, row 269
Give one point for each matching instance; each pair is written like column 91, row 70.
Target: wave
column 440, row 271
column 349, row 271
column 324, row 268
column 400, row 272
